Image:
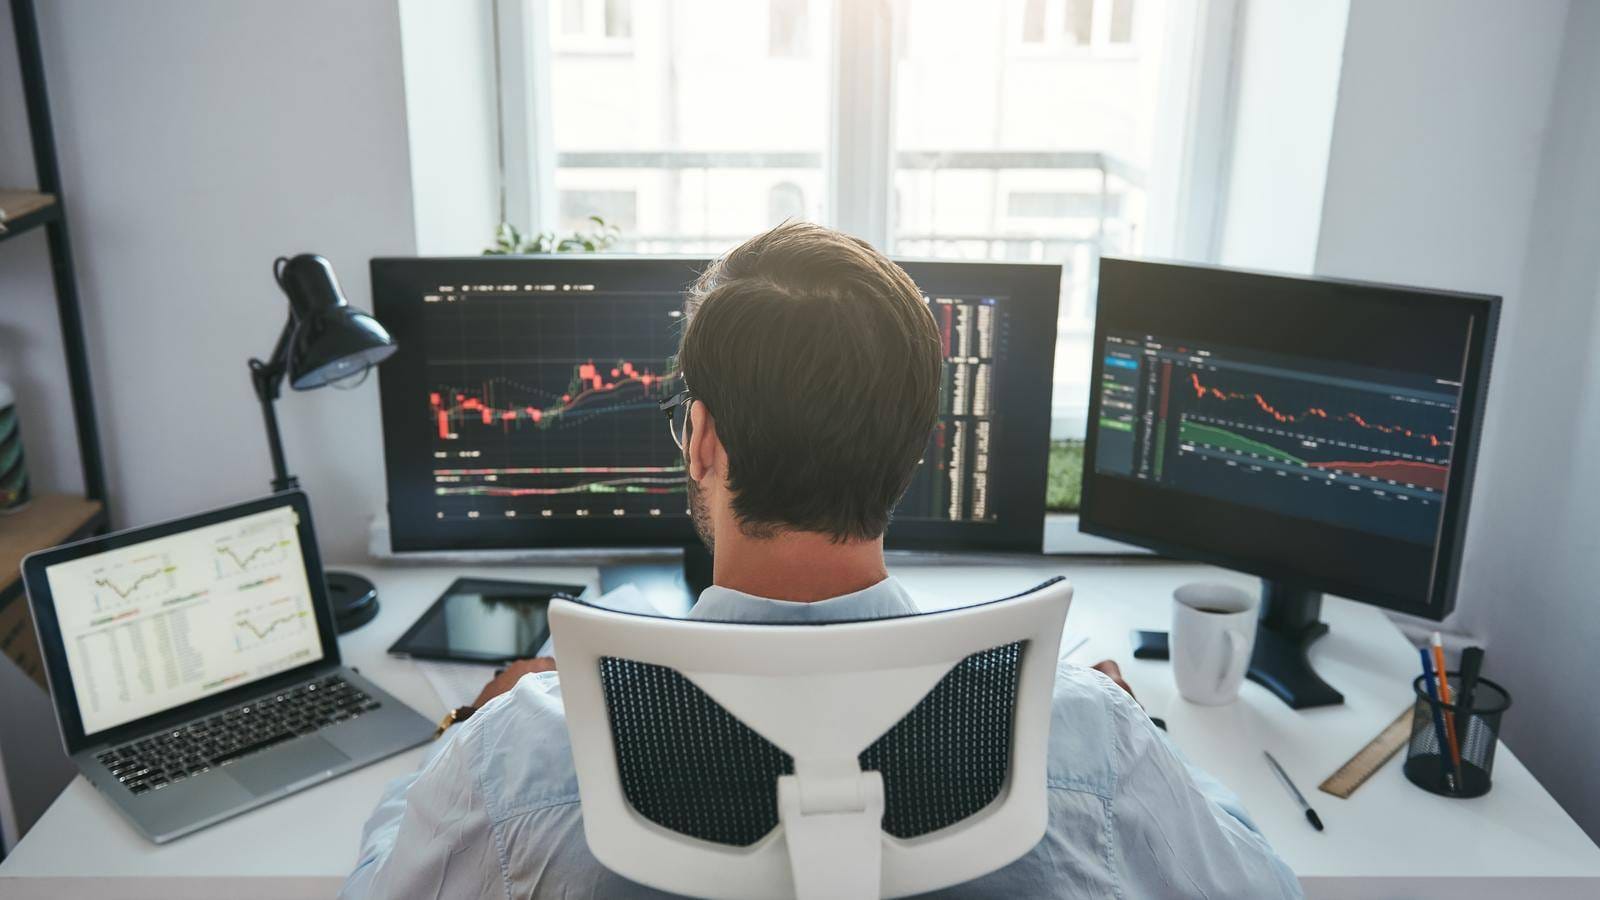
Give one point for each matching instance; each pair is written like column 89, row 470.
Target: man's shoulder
column 1096, row 731
column 516, row 749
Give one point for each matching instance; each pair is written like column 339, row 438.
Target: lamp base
column 354, row 600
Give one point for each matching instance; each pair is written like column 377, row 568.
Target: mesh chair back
column 741, row 760
column 688, row 765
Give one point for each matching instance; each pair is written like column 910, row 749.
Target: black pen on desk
column 1311, row 814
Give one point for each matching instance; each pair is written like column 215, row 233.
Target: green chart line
column 1227, row 440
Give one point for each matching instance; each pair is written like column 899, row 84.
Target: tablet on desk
column 483, row 620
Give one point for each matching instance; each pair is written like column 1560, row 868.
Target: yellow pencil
column 1445, row 697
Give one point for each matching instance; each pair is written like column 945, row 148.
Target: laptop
column 195, row 669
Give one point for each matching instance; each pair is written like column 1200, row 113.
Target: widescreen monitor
column 1318, row 433
column 521, row 408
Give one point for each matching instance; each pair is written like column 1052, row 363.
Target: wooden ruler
column 1370, row 758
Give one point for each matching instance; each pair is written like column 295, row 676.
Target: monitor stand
column 671, row 585
column 1290, row 622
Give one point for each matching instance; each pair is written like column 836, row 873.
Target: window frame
column 1190, row 176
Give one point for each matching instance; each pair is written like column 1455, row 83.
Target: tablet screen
column 484, row 620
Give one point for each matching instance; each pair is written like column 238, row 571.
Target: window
column 1033, row 27
column 619, row 18
column 787, row 32
column 1055, row 172
column 1060, row 205
column 1052, row 25
column 1121, row 28
column 1078, row 22
column 785, row 201
column 1020, row 130
column 592, row 26
column 619, row 208
column 708, row 134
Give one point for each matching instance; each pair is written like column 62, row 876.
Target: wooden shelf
column 50, row 519
column 21, row 210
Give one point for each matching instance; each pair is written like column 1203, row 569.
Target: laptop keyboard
column 172, row 756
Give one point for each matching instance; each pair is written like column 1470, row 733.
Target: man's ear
column 704, row 449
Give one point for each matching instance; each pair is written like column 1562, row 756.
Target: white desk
column 1390, row 840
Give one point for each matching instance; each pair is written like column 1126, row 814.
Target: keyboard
column 171, row 756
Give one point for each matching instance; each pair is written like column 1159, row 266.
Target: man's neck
column 802, row 567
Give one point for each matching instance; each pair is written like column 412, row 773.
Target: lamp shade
column 332, row 339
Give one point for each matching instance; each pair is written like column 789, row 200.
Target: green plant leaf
column 508, row 240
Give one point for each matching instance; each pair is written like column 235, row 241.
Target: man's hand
column 508, row 677
column 1114, row 672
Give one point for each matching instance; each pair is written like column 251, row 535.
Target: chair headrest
column 1041, row 586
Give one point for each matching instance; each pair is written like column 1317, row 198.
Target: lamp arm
column 267, row 379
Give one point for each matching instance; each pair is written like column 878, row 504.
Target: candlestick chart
column 547, row 406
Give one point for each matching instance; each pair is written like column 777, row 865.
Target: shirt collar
column 883, row 600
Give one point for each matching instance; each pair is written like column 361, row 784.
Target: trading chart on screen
column 166, row 621
column 1345, row 445
column 952, row 481
column 542, row 401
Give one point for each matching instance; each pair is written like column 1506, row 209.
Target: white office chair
column 841, row 760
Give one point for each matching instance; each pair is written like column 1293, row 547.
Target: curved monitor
column 521, row 408
column 1318, row 433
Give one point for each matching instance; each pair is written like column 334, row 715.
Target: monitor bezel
column 1484, row 310
column 62, row 692
column 397, row 280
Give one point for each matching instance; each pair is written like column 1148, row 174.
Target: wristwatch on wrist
column 453, row 717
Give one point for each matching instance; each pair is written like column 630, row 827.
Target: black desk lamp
column 325, row 340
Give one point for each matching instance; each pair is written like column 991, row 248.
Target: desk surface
column 1389, row 839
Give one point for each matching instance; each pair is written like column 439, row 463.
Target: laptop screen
column 154, row 625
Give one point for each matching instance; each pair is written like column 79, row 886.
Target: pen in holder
column 1430, row 765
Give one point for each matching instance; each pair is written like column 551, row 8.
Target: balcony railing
column 1075, row 241
column 1027, row 239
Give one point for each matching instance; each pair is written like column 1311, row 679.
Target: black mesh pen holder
column 1476, row 732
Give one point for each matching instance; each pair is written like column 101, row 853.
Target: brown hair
column 820, row 361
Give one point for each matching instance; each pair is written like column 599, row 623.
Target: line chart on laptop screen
column 160, row 623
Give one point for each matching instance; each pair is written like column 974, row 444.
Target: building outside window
column 1105, row 25
column 716, row 121
column 788, row 28
column 1021, row 130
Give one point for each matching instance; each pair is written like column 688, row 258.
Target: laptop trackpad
column 282, row 766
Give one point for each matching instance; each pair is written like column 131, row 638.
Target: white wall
column 199, row 141
column 1432, row 170
column 1535, row 590
column 1464, row 156
column 1442, row 106
column 1287, row 64
column 450, row 116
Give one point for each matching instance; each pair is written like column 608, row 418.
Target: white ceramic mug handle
column 1238, row 658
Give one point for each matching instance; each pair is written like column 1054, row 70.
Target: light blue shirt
column 494, row 811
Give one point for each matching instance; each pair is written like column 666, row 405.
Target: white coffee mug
column 1213, row 632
